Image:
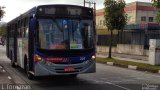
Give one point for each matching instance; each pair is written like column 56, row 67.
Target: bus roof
column 34, row 9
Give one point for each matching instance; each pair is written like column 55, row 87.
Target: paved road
column 106, row 78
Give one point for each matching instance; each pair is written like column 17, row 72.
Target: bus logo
column 67, row 60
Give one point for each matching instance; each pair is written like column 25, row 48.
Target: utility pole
column 90, row 3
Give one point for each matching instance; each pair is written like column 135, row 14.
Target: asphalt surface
column 105, row 78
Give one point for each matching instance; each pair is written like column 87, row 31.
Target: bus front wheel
column 29, row 75
column 13, row 64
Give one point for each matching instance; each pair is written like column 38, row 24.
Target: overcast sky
column 16, row 7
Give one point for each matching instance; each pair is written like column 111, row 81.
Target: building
column 141, row 25
column 141, row 15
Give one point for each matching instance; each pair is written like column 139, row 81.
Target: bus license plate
column 69, row 69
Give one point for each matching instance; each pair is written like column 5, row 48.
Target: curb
column 130, row 67
column 110, row 63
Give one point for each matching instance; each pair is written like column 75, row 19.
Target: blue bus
column 53, row 40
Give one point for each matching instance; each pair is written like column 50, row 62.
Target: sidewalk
column 126, row 57
column 5, row 77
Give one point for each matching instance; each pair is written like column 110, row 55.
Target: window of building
column 150, row 19
column 104, row 23
column 143, row 18
column 129, row 19
column 101, row 22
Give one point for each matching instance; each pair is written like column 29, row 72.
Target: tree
column 2, row 27
column 156, row 3
column 1, row 12
column 3, row 30
column 115, row 18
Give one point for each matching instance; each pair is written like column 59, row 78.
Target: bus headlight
column 93, row 57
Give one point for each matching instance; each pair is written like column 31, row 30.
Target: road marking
column 4, row 70
column 117, row 85
column 9, row 77
column 18, row 87
column 1, row 67
column 116, row 80
column 99, row 81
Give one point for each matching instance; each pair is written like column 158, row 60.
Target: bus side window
column 19, row 29
column 25, row 28
column 11, row 34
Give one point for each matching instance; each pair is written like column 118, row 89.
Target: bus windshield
column 65, row 34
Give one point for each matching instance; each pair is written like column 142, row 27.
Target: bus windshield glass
column 65, row 34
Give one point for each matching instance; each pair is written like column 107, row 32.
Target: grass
column 123, row 63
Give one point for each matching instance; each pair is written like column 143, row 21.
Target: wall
column 131, row 17
column 106, row 49
column 130, row 49
column 147, row 14
column 125, row 49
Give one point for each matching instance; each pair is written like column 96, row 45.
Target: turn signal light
column 37, row 58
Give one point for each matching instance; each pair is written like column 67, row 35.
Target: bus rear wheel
column 12, row 61
column 13, row 64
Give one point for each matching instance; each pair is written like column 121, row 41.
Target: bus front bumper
column 44, row 68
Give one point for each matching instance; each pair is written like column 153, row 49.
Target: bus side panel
column 11, row 40
column 15, row 43
column 19, row 52
column 24, row 51
column 31, row 39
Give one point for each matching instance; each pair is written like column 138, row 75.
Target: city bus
column 53, row 40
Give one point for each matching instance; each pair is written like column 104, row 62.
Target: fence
column 135, row 37
column 104, row 40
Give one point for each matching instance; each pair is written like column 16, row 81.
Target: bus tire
column 29, row 75
column 13, row 64
column 12, row 61
column 25, row 64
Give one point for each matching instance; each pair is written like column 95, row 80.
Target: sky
column 14, row 8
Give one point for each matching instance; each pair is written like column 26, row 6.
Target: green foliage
column 158, row 17
column 1, row 12
column 3, row 30
column 156, row 3
column 115, row 18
